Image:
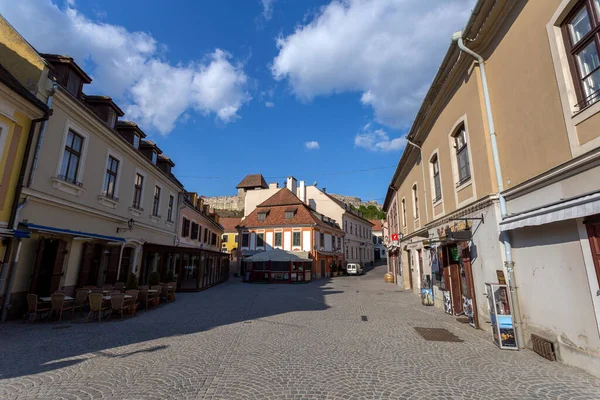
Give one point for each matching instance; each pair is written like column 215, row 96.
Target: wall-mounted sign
column 413, row 246
column 394, row 237
column 500, row 275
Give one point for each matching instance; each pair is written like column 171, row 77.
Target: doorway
column 323, row 268
column 410, row 268
column 47, row 269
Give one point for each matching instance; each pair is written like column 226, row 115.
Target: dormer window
column 290, row 212
column 74, row 83
column 111, row 119
column 154, row 157
column 262, row 216
column 136, row 141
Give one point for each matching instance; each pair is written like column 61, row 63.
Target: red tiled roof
column 377, row 226
column 252, row 181
column 229, row 224
column 277, row 205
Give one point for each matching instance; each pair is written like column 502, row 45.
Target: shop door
column 593, row 230
column 47, row 270
column 410, row 268
column 420, row 260
column 85, row 268
column 322, row 268
column 467, row 287
column 125, row 264
column 455, row 289
column 112, row 267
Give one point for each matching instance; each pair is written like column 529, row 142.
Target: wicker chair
column 107, row 287
column 143, row 287
column 80, row 298
column 120, row 286
column 33, row 309
column 58, row 305
column 133, row 301
column 96, row 305
column 145, row 298
column 97, row 290
column 89, row 287
column 117, row 303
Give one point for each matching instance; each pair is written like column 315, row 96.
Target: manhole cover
column 437, row 335
column 364, row 318
column 62, row 327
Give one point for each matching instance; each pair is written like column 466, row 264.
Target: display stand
column 503, row 330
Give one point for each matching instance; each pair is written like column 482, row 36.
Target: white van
column 354, row 269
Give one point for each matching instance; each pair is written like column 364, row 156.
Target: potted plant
column 154, row 278
column 333, row 270
column 132, row 281
column 170, row 276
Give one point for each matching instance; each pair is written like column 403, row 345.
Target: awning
column 566, row 209
column 278, row 255
column 52, row 229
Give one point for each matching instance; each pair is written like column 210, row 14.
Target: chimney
column 302, row 191
column 292, row 184
column 324, row 190
column 273, row 185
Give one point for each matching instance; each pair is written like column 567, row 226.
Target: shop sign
column 395, row 238
column 413, row 246
column 442, row 231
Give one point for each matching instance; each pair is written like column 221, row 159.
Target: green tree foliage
column 370, row 212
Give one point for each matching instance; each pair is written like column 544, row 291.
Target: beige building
column 199, row 227
column 95, row 191
column 501, row 178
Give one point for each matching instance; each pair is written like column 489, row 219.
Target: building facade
column 284, row 222
column 379, row 250
column 499, row 181
column 230, row 238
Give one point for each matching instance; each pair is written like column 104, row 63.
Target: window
column 296, row 238
column 462, row 156
column 185, row 228
column 346, row 226
column 415, row 196
column 156, row 202
column 235, row 238
column 213, row 239
column 74, row 83
column 262, row 216
column 205, row 235
column 154, row 157
column 593, row 231
column 582, row 37
column 137, row 191
column 136, row 141
column 322, row 240
column 112, row 118
column 245, row 239
column 225, row 238
column 289, row 214
column 339, row 242
column 278, row 238
column 194, row 231
column 260, row 240
column 170, row 209
column 437, row 186
column 403, row 212
column 71, row 158
column 110, row 179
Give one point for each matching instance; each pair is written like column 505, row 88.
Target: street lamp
column 130, row 225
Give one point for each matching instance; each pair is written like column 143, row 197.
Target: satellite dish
column 315, row 183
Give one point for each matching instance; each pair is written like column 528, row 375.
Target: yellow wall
column 231, row 243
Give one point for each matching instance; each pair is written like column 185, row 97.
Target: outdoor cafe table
column 49, row 299
column 107, row 298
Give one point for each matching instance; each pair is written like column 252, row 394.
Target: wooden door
column 410, row 268
column 455, row 291
column 37, row 265
column 57, row 270
column 125, row 264
column 470, row 287
column 593, row 230
column 85, row 268
column 112, row 267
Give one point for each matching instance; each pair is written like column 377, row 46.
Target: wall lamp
column 130, row 225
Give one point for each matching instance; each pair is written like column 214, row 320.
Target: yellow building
column 229, row 242
column 23, row 81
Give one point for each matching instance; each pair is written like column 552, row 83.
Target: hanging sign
column 453, row 253
column 500, row 275
column 395, row 237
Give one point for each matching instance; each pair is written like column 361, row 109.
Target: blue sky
column 230, row 87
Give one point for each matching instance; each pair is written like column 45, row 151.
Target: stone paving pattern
column 242, row 341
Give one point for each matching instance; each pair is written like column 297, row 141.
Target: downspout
column 38, row 146
column 7, row 274
column 423, row 173
column 509, row 263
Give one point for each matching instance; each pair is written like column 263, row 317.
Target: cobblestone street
column 242, row 341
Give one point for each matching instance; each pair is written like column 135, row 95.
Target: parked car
column 354, row 269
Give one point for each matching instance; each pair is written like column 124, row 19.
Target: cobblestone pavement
column 241, row 341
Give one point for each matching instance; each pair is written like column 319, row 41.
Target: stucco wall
column 554, row 290
column 255, row 197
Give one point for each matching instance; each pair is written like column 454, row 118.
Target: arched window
column 435, row 176
column 415, row 197
column 462, row 155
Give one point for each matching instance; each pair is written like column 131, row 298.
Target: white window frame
column 119, row 158
column 4, row 129
column 132, row 210
column 59, row 183
column 454, row 162
column 160, row 203
column 168, row 222
column 436, row 154
column 414, row 193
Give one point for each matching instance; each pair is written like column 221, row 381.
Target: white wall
column 287, row 240
column 554, row 291
column 306, row 244
column 269, row 240
column 255, row 197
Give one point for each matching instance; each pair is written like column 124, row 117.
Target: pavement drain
column 364, row 318
column 437, row 335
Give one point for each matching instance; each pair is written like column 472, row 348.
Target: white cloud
column 129, row 65
column 387, row 50
column 267, row 6
column 312, row 145
column 269, row 104
column 378, row 140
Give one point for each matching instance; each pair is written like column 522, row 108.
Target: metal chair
column 96, row 305
column 33, row 308
column 58, row 305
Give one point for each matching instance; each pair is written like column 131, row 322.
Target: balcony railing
column 588, row 101
column 72, row 181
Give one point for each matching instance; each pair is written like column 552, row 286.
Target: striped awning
column 564, row 210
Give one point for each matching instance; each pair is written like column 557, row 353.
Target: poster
column 427, row 296
column 500, row 275
column 468, row 310
column 507, row 331
column 447, row 302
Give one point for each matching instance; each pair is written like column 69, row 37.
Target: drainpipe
column 423, row 173
column 7, row 274
column 509, row 263
column 38, row 146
